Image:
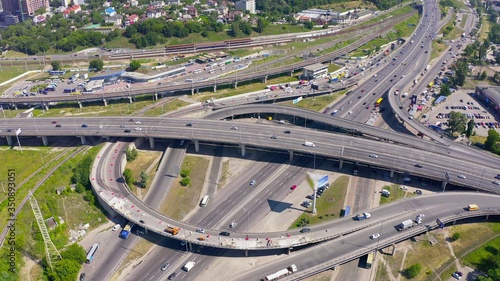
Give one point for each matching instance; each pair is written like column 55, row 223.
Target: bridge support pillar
column 106, row 137
column 45, row 106
column 192, row 91
column 289, row 251
column 341, row 163
column 243, row 150
column 291, row 73
column 45, row 141
column 9, row 140
column 246, row 253
column 454, row 222
column 392, row 173
column 15, row 106
column 130, row 99
column 156, row 96
column 190, row 246
column 105, row 102
column 235, row 85
column 215, row 88
column 264, row 80
column 83, row 140
column 196, row 145
column 291, row 155
column 197, row 90
column 152, row 143
column 80, row 105
column 393, row 249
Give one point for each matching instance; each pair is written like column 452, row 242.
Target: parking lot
column 463, row 101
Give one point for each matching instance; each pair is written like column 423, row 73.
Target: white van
column 187, row 267
column 116, row 227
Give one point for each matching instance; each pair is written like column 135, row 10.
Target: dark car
column 9, row 130
column 82, row 276
column 418, row 165
column 225, row 233
column 58, row 126
column 304, row 230
column 172, row 276
column 418, row 192
column 141, row 221
column 189, row 125
column 288, row 132
column 84, row 125
column 127, row 131
column 54, row 122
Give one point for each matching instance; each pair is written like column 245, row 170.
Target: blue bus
column 91, row 253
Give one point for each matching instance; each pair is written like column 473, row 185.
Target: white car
column 252, row 182
column 138, row 122
column 115, row 228
column 373, row 155
column 200, row 230
column 496, row 182
column 233, row 224
column 138, row 129
column 375, row 236
column 462, row 176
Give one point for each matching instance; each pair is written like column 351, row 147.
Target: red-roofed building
column 74, row 8
column 131, row 19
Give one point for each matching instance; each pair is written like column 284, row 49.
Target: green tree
column 185, row 181
column 455, row 236
column 235, row 29
column 309, row 24
column 131, row 154
column 457, row 122
column 261, row 25
column 461, row 69
column 445, row 90
column 245, row 27
column 491, row 141
column 134, row 65
column 496, row 77
column 74, row 252
column 470, row 128
column 483, row 75
column 55, row 65
column 185, row 173
column 144, row 179
column 127, row 175
column 413, row 271
column 96, row 64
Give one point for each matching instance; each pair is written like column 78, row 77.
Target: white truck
column 410, row 223
column 284, row 272
column 363, row 216
column 187, row 267
column 310, row 144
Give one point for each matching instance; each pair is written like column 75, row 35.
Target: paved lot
column 458, row 99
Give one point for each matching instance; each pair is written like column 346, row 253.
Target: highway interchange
column 478, row 168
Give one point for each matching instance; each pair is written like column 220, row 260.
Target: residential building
column 75, row 9
column 10, row 6
column 154, row 13
column 131, row 19
column 157, row 4
column 110, row 11
column 246, row 5
column 31, row 6
column 192, row 11
column 7, row 19
column 39, row 19
column 134, row 3
column 116, row 19
column 173, row 2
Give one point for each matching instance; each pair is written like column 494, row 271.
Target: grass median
column 182, row 199
column 328, row 207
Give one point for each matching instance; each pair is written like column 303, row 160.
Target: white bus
column 204, row 201
column 92, row 252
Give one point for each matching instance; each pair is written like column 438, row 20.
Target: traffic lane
column 163, row 181
column 276, row 191
column 358, row 241
column 220, row 218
